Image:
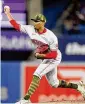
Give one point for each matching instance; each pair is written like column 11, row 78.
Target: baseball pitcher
column 47, row 50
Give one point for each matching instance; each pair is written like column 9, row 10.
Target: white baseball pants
column 48, row 67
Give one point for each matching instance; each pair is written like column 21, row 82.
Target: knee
column 55, row 84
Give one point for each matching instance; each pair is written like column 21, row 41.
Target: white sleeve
column 54, row 46
column 23, row 28
column 54, row 43
column 28, row 29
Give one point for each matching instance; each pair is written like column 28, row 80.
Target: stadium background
column 66, row 18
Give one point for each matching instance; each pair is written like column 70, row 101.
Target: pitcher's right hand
column 6, row 9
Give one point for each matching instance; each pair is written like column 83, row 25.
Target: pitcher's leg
column 33, row 86
column 52, row 78
column 52, row 75
column 42, row 69
column 54, row 82
column 45, row 67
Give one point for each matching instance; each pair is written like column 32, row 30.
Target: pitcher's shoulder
column 51, row 32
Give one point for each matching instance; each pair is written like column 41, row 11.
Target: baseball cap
column 39, row 17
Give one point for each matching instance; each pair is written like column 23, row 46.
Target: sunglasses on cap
column 37, row 20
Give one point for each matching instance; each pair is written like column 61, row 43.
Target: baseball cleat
column 81, row 88
column 22, row 101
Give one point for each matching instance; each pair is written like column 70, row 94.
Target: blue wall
column 10, row 81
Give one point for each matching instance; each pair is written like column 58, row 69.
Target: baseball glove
column 42, row 49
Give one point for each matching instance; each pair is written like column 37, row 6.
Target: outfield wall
column 16, row 77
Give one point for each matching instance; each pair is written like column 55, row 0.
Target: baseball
column 6, row 7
